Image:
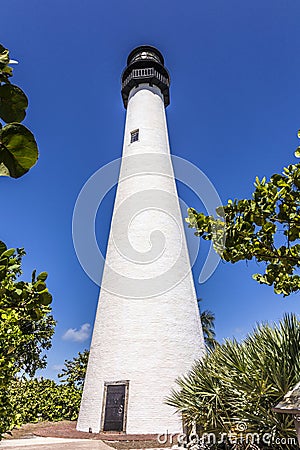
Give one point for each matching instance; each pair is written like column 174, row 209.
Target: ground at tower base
column 31, row 434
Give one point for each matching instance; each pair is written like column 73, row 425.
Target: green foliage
column 208, row 327
column 73, row 374
column 13, row 103
column 297, row 151
column 265, row 228
column 233, row 389
column 5, row 70
column 18, row 148
column 43, row 400
column 26, row 326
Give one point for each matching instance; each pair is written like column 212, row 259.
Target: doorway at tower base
column 120, row 415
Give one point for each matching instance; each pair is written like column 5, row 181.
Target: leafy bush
column 264, row 228
column 26, row 327
column 233, row 389
column 43, row 399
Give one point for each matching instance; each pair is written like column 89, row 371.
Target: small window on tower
column 134, row 136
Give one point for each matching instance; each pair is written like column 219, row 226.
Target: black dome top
column 145, row 64
column 145, row 52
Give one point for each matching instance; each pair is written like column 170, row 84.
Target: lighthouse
column 147, row 329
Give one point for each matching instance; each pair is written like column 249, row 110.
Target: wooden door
column 114, row 408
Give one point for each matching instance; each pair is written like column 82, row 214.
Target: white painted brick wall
column 147, row 328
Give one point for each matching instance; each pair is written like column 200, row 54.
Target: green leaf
column 8, row 253
column 297, row 152
column 14, row 267
column 220, row 211
column 42, row 276
column 33, row 276
column 3, row 247
column 45, row 298
column 4, row 261
column 13, row 103
column 40, row 286
column 19, row 150
column 7, row 71
column 36, row 314
column 4, row 57
column 4, row 172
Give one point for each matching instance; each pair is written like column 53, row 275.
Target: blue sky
column 234, row 113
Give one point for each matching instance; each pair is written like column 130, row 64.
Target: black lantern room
column 145, row 64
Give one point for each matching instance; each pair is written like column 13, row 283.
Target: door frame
column 114, row 383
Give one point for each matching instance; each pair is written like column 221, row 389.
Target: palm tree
column 233, row 389
column 208, row 327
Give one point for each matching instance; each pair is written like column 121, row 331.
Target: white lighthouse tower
column 147, row 329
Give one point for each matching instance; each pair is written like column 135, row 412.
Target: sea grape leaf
column 18, row 150
column 13, row 103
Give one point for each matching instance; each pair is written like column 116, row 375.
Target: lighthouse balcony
column 145, row 75
column 142, row 73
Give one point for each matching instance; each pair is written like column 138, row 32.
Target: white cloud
column 58, row 367
column 81, row 335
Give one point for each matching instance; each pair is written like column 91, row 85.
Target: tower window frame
column 134, row 136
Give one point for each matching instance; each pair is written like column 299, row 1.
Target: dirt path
column 39, row 443
column 74, row 439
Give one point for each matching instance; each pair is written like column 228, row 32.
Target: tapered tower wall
column 147, row 329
